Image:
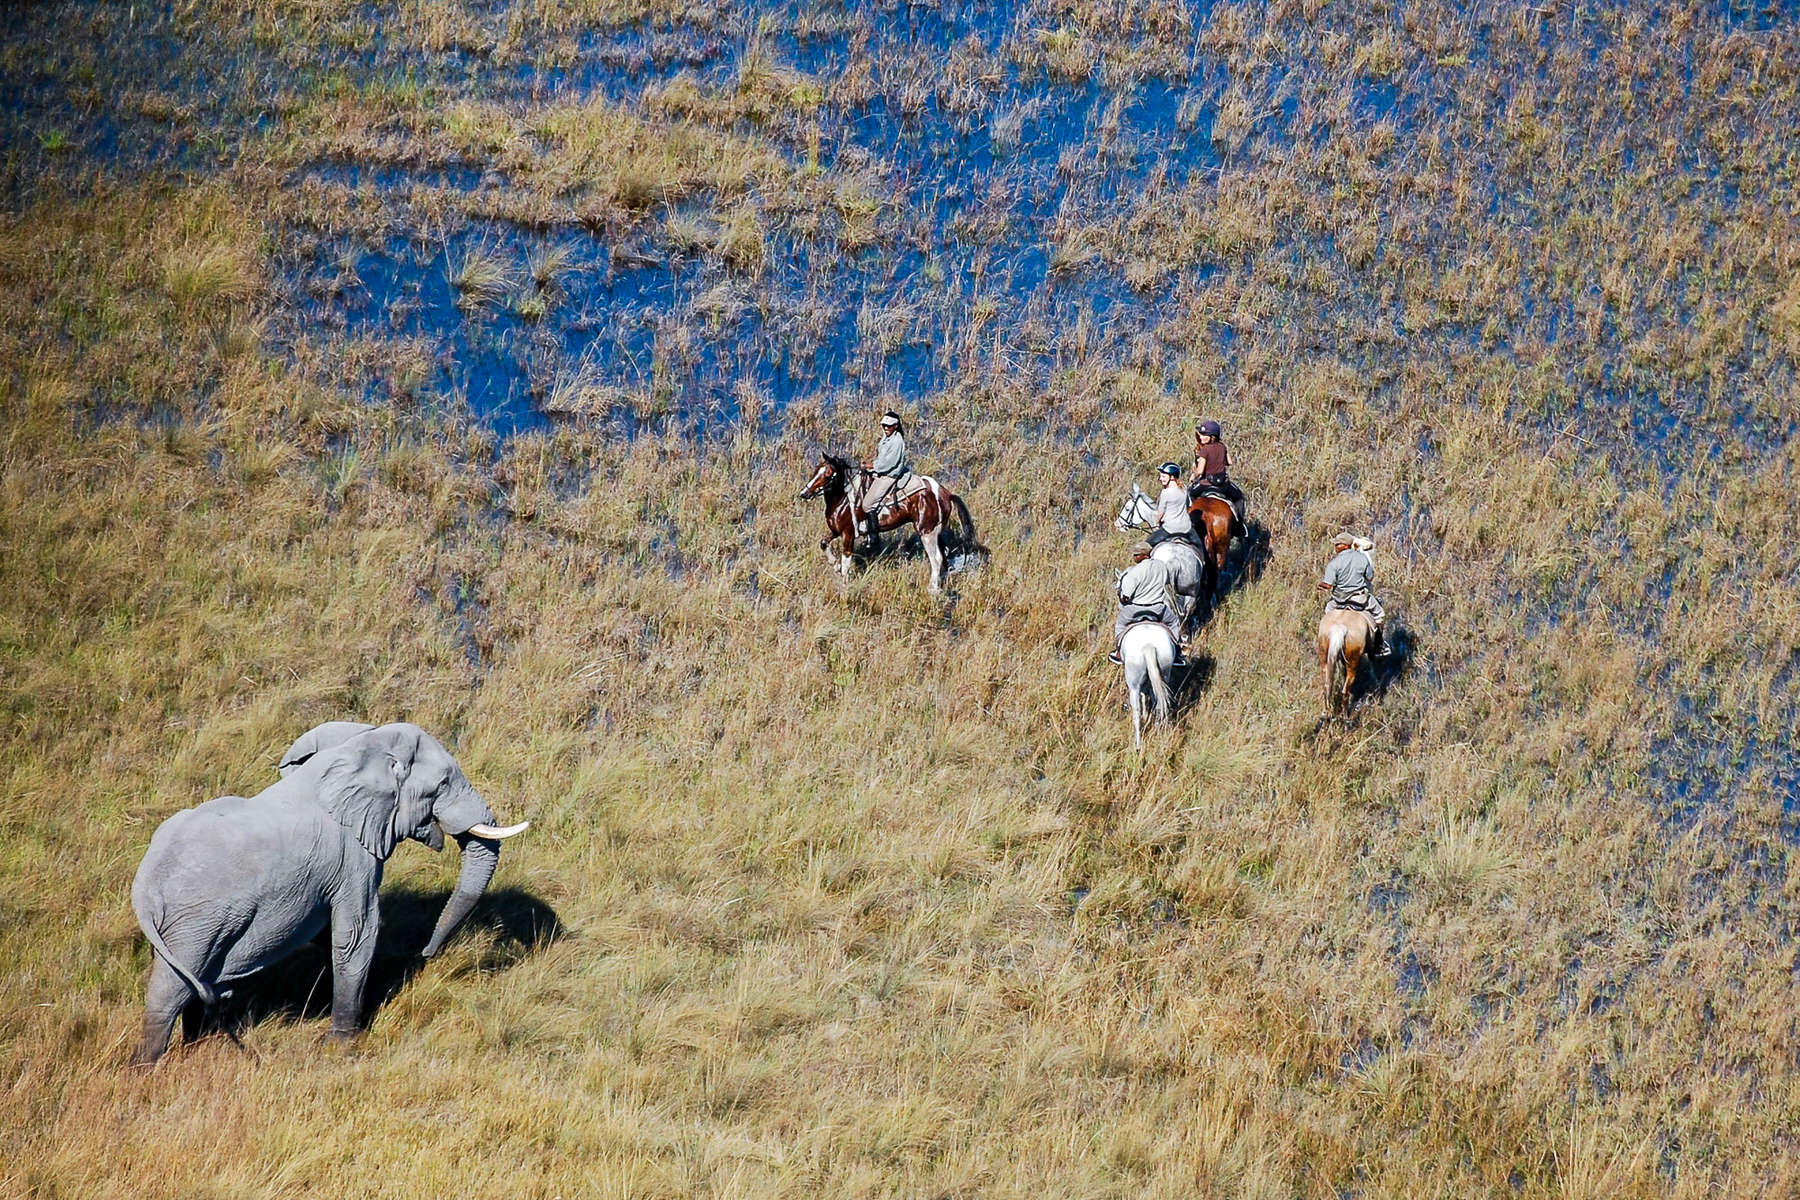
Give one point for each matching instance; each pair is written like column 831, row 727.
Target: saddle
column 909, row 485
column 1235, row 504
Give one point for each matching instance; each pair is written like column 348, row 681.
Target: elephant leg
column 354, row 926
column 165, row 997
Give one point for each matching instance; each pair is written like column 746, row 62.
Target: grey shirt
column 1172, row 511
column 890, row 456
column 1147, row 584
column 1351, row 574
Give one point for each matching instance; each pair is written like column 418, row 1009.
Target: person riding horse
column 1350, row 578
column 1211, row 464
column 886, row 471
column 1172, row 517
column 1146, row 593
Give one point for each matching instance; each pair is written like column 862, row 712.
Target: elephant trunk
column 480, row 856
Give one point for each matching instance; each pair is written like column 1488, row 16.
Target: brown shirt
column 1211, row 459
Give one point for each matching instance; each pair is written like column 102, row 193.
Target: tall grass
column 839, row 889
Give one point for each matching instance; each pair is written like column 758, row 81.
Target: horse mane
column 841, row 462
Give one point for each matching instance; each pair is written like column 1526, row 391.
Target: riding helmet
column 1209, row 428
column 1169, row 468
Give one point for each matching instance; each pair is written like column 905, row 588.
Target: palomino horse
column 1148, row 653
column 929, row 509
column 1178, row 555
column 1344, row 635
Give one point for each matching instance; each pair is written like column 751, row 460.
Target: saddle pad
column 911, row 485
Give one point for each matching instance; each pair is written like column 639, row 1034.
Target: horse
column 1148, row 653
column 929, row 509
column 1178, row 554
column 1212, row 515
column 1344, row 636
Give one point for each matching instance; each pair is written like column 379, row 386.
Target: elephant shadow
column 299, row 986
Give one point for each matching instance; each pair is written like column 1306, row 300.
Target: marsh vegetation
column 424, row 363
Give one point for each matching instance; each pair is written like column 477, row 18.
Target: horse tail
column 1160, row 686
column 1334, row 663
column 968, row 525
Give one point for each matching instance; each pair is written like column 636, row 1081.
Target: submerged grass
column 846, row 891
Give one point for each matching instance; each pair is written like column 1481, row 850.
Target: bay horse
column 1148, row 653
column 1344, row 636
column 1212, row 515
column 842, row 481
column 1212, row 518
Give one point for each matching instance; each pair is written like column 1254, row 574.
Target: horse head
column 1136, row 512
column 831, row 467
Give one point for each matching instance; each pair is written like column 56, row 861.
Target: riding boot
column 1380, row 648
column 1180, row 659
column 1114, row 656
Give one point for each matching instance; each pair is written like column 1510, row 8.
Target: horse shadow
column 299, row 986
column 1246, row 562
column 1191, row 681
column 1391, row 668
column 1244, row 565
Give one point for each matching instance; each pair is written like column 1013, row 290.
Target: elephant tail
column 207, row 995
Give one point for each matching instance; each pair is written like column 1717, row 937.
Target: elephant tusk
column 489, row 831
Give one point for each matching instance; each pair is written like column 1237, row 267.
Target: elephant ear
column 363, row 786
column 318, row 740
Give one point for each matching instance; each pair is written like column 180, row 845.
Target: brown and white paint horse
column 841, row 481
column 1344, row 636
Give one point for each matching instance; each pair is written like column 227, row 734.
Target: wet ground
column 1008, row 190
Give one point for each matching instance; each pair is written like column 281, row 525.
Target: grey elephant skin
column 237, row 884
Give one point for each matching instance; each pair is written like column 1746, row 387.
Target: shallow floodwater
column 977, row 265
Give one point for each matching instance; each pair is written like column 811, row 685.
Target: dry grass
column 831, row 927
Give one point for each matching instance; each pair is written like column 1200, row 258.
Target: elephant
column 236, row 884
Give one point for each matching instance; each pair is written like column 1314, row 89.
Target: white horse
column 1148, row 653
column 1183, row 561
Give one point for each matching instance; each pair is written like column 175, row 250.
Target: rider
column 1172, row 518
column 1211, row 462
column 888, row 469
column 1146, row 591
column 1350, row 578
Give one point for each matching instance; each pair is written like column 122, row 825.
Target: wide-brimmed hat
column 1343, row 538
column 1144, row 548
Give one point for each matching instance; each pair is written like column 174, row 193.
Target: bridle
column 1134, row 512
column 825, row 474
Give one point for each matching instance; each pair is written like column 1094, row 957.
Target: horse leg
column 935, row 553
column 1137, row 718
column 847, row 552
